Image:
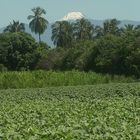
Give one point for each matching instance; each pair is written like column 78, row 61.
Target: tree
column 106, row 55
column 38, row 24
column 132, row 54
column 99, row 31
column 16, row 26
column 18, row 51
column 83, row 29
column 109, row 27
column 129, row 27
column 75, row 58
column 62, row 34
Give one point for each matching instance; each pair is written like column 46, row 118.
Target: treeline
column 79, row 45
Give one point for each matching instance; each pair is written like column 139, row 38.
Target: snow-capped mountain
column 73, row 16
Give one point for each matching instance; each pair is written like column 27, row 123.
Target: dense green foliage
column 39, row 79
column 111, row 50
column 103, row 112
column 18, row 51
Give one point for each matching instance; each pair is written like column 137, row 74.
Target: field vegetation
column 41, row 79
column 99, row 112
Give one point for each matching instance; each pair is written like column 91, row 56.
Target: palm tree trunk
column 39, row 38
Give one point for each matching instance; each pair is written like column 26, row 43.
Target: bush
column 2, row 68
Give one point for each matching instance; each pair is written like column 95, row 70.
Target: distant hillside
column 46, row 37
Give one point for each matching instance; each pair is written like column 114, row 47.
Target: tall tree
column 129, row 27
column 83, row 29
column 38, row 23
column 62, row 34
column 99, row 31
column 16, row 26
column 129, row 32
column 109, row 27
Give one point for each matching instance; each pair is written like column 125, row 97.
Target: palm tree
column 83, row 29
column 111, row 27
column 15, row 27
column 99, row 31
column 129, row 27
column 38, row 24
column 128, row 30
column 62, row 34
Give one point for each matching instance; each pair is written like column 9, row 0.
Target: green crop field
column 99, row 112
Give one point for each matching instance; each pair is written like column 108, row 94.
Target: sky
column 57, row 9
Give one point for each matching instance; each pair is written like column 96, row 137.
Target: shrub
column 2, row 68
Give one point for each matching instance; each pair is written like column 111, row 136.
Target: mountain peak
column 73, row 16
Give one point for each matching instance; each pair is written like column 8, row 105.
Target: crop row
column 100, row 112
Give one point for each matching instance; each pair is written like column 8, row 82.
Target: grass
column 41, row 79
column 98, row 112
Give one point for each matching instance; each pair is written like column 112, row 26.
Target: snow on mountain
column 73, row 16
